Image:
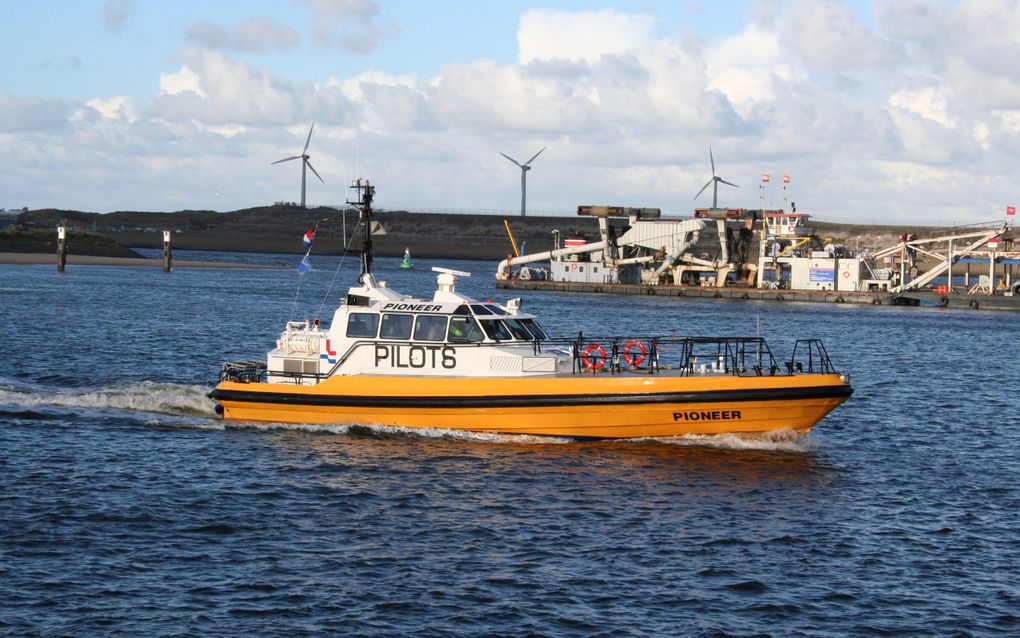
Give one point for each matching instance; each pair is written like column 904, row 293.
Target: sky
column 889, row 111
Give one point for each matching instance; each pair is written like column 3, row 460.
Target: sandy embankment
column 93, row 260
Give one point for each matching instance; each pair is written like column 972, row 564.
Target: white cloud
column 929, row 102
column 118, row 107
column 826, row 35
column 1009, row 121
column 746, row 67
column 754, row 47
column 351, row 25
column 184, row 80
column 550, row 34
column 260, row 35
column 229, row 130
column 215, row 89
column 31, row 114
column 257, row 35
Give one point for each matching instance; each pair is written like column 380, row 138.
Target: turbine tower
column 714, row 182
column 304, row 164
column 525, row 167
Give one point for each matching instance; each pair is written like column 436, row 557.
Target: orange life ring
column 599, row 360
column 639, row 358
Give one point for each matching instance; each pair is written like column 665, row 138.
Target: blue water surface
column 128, row 509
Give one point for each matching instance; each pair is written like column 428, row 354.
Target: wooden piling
column 61, row 248
column 167, row 256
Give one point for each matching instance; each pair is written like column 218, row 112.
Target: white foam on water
column 213, row 423
column 395, row 430
column 144, row 396
column 776, row 440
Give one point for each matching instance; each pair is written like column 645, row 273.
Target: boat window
column 462, row 310
column 518, row 329
column 362, row 324
column 479, row 309
column 464, row 329
column 430, row 328
column 534, row 328
column 496, row 310
column 495, row 330
column 396, row 326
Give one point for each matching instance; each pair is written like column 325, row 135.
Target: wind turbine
column 714, row 182
column 525, row 167
column 304, row 164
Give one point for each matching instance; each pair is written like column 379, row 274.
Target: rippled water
column 127, row 508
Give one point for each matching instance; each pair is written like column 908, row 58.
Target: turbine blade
column 711, row 159
column 286, row 159
column 309, row 138
column 727, row 183
column 314, row 171
column 707, row 184
column 511, row 159
column 534, row 156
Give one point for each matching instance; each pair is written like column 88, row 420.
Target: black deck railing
column 688, row 355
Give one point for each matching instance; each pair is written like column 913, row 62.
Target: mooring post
column 61, row 248
column 167, row 257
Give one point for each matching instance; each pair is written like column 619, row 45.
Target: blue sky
column 891, row 110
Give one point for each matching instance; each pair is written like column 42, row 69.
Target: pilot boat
column 454, row 362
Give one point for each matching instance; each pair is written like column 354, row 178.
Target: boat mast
column 366, row 192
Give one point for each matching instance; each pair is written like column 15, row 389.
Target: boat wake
column 397, row 432
column 778, row 440
column 146, row 396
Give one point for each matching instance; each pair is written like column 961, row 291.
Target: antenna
column 450, row 271
column 305, row 163
column 525, row 167
column 366, row 193
column 714, row 182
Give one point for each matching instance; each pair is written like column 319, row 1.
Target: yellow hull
column 588, row 406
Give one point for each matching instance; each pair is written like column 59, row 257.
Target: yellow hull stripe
column 603, row 407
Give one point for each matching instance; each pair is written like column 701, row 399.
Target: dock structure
column 700, row 292
column 988, row 247
column 770, row 256
column 866, row 298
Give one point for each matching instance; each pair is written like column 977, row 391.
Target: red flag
column 786, row 179
column 1011, row 210
column 765, row 178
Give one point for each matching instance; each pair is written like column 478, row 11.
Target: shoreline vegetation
column 108, row 237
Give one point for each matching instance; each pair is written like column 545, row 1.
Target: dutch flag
column 310, row 236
